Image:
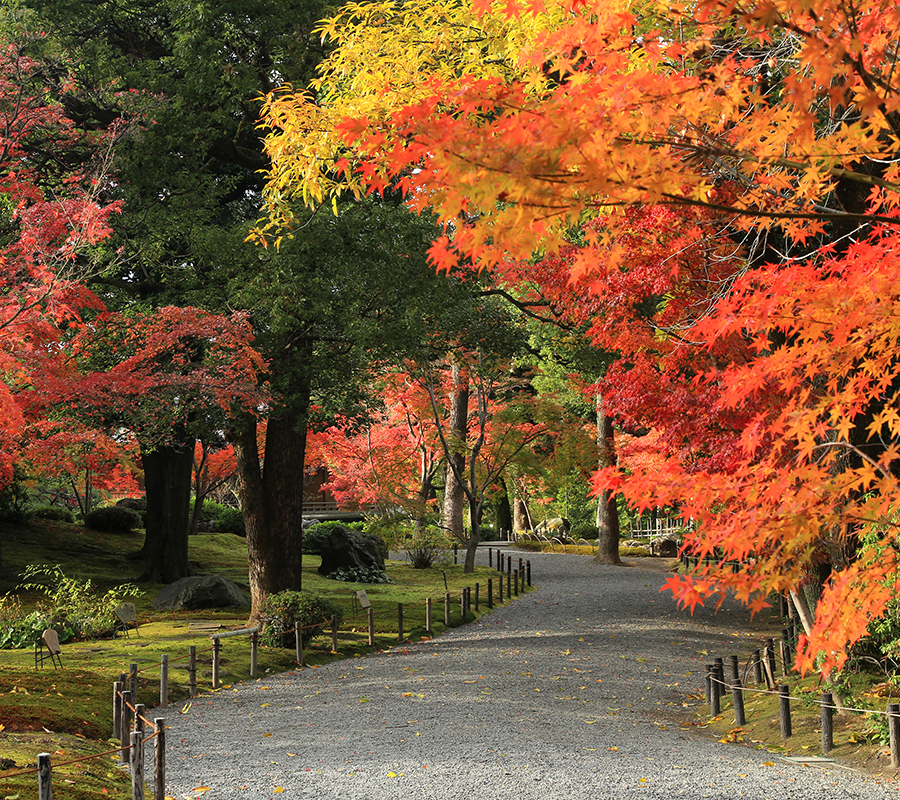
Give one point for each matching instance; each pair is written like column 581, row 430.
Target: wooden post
column 528, row 572
column 735, row 669
column 132, row 682
column 893, row 710
column 477, row 592
column 827, row 723
column 125, row 726
column 709, row 672
column 159, row 760
column 521, row 568
column 500, row 588
column 117, row 710
column 370, row 613
column 428, row 629
column 455, row 553
column 399, row 622
column 509, row 583
column 45, row 777
column 516, row 583
column 719, row 675
column 254, row 654
column 490, row 558
column 164, row 680
column 298, row 643
column 737, row 695
column 447, row 609
column 715, row 707
column 217, row 649
column 784, row 705
column 192, row 671
column 490, row 593
column 508, row 566
column 757, row 667
column 334, row 626
column 769, row 663
column 137, row 766
column 139, row 710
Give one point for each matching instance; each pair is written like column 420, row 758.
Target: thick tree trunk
column 272, row 503
column 474, row 536
column 454, row 502
column 607, row 510
column 521, row 521
column 504, row 518
column 167, row 479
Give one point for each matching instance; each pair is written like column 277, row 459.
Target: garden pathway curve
column 573, row 692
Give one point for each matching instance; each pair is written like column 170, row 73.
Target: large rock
column 665, row 546
column 201, row 591
column 345, row 548
column 558, row 526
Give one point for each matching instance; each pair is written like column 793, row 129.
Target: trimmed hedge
column 113, row 519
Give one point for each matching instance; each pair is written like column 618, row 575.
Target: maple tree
column 778, row 124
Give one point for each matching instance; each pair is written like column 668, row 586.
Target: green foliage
column 314, row 535
column 281, row 611
column 210, row 511
column 19, row 629
column 56, row 513
column 426, row 548
column 113, row 519
column 14, row 498
column 584, row 530
column 77, row 606
column 231, row 520
column 356, row 575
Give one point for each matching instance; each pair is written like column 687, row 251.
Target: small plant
column 75, row 605
column 426, row 548
column 357, row 575
column 231, row 520
column 584, row 530
column 281, row 611
column 113, row 519
column 53, row 513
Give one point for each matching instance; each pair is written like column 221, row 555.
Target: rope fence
column 130, row 724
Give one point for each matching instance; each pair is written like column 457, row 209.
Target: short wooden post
column 334, row 627
column 784, row 705
column 164, row 680
column 254, row 654
column 500, row 588
column 508, row 566
column 137, row 766
column 719, row 675
column 490, row 591
column 159, row 760
column 447, row 609
column 298, row 643
column 709, row 692
column 217, row 650
column 117, row 710
column 786, row 650
column 893, row 710
column 827, row 723
column 455, row 553
column 783, row 606
column 399, row 622
column 735, row 668
column 715, row 705
column 45, row 777
column 477, row 593
column 516, row 583
column 428, row 628
column 370, row 613
column 132, row 682
column 528, row 572
column 737, row 696
column 192, row 670
column 490, row 558
column 139, row 725
column 757, row 667
column 509, row 584
column 521, row 567
column 125, row 726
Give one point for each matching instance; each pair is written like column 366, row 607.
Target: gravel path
column 571, row 692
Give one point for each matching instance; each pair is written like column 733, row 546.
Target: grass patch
column 578, row 549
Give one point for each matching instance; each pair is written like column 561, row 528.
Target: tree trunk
column 504, row 518
column 474, row 536
column 167, row 479
column 607, row 510
column 271, row 497
column 454, row 501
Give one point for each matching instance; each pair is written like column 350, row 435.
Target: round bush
column 55, row 513
column 113, row 519
column 282, row 610
column 584, row 530
column 231, row 520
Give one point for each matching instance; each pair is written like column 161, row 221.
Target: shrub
column 356, row 575
column 584, row 530
column 314, row 535
column 113, row 519
column 55, row 513
column 75, row 608
column 231, row 520
column 281, row 611
column 426, row 548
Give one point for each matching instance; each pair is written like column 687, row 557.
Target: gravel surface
column 574, row 691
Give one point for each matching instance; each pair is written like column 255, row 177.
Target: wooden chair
column 126, row 618
column 47, row 646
